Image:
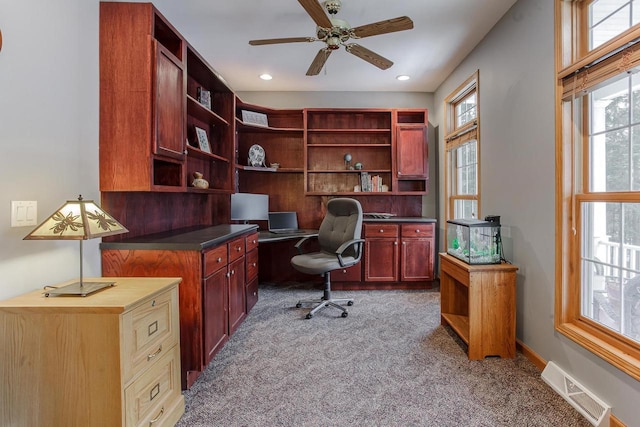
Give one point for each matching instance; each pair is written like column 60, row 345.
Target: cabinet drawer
column 149, row 330
column 350, row 274
column 156, row 394
column 417, row 230
column 236, row 248
column 252, row 294
column 380, row 230
column 252, row 265
column 251, row 242
column 215, row 259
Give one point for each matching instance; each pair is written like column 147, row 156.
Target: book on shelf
column 204, row 97
column 370, row 183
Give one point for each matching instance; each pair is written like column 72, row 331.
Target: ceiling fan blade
column 318, row 62
column 400, row 23
column 316, row 13
column 369, row 56
column 284, row 40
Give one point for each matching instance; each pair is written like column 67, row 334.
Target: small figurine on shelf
column 199, row 182
column 347, row 161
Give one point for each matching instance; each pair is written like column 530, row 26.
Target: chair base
column 326, row 300
column 324, row 303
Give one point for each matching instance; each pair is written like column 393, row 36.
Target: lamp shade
column 77, row 220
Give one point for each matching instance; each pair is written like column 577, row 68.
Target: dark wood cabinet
column 411, row 151
column 251, row 268
column 169, row 104
column 416, row 253
column 381, row 254
column 149, row 109
column 398, row 254
column 212, row 295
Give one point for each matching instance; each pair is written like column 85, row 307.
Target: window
column 598, row 158
column 462, row 164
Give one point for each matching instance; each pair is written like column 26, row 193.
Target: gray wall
column 516, row 64
column 48, row 132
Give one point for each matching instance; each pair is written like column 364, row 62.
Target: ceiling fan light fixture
column 403, row 77
column 266, row 76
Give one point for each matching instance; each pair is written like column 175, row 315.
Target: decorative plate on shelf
column 256, row 155
column 379, row 215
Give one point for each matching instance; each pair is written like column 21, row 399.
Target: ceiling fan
column 337, row 32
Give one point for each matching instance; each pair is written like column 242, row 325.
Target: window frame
column 459, row 135
column 572, row 56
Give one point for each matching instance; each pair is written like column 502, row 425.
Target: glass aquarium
column 474, row 241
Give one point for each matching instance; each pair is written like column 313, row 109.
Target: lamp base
column 78, row 289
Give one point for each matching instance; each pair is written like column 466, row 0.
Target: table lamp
column 77, row 220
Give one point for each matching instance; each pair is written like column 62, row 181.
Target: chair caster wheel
column 309, row 316
column 350, row 303
column 345, row 314
column 298, row 305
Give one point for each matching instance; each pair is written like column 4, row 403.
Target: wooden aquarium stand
column 479, row 303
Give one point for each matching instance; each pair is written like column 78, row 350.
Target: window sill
column 617, row 352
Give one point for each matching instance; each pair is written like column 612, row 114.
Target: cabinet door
column 416, row 262
column 237, row 301
column 170, row 99
column 214, row 314
column 411, row 148
column 381, row 260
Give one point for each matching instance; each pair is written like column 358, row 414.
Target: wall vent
column 585, row 402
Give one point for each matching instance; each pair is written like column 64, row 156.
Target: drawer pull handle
column 157, row 352
column 239, row 248
column 155, row 420
column 417, row 231
column 254, row 264
column 154, row 392
column 381, row 230
column 153, row 328
column 219, row 259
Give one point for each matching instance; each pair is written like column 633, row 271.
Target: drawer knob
column 155, row 420
column 238, row 248
column 417, row 231
column 381, row 230
column 157, row 352
column 219, row 259
column 254, row 264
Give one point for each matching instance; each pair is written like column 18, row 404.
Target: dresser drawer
column 380, row 230
column 214, row 260
column 236, row 249
column 417, row 230
column 149, row 330
column 155, row 396
column 251, row 242
column 252, row 265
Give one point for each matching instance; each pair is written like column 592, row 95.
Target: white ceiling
column 444, row 32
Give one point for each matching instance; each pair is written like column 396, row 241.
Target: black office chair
column 340, row 247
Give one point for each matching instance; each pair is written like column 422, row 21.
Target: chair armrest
column 343, row 247
column 302, row 241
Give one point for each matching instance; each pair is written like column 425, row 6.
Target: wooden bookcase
column 149, row 80
column 330, row 134
column 479, row 303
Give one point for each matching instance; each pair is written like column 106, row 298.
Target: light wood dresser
column 109, row 359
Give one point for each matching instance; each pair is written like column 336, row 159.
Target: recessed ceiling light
column 266, row 76
column 402, row 77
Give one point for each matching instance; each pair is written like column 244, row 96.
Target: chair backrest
column 343, row 222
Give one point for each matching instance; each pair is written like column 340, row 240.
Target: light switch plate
column 24, row 213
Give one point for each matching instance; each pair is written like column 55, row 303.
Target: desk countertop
column 400, row 219
column 185, row 239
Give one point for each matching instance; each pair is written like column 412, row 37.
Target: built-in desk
column 219, row 270
column 269, row 237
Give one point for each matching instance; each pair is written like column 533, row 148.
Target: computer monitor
column 249, row 207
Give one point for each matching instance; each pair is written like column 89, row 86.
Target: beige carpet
column 389, row 363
